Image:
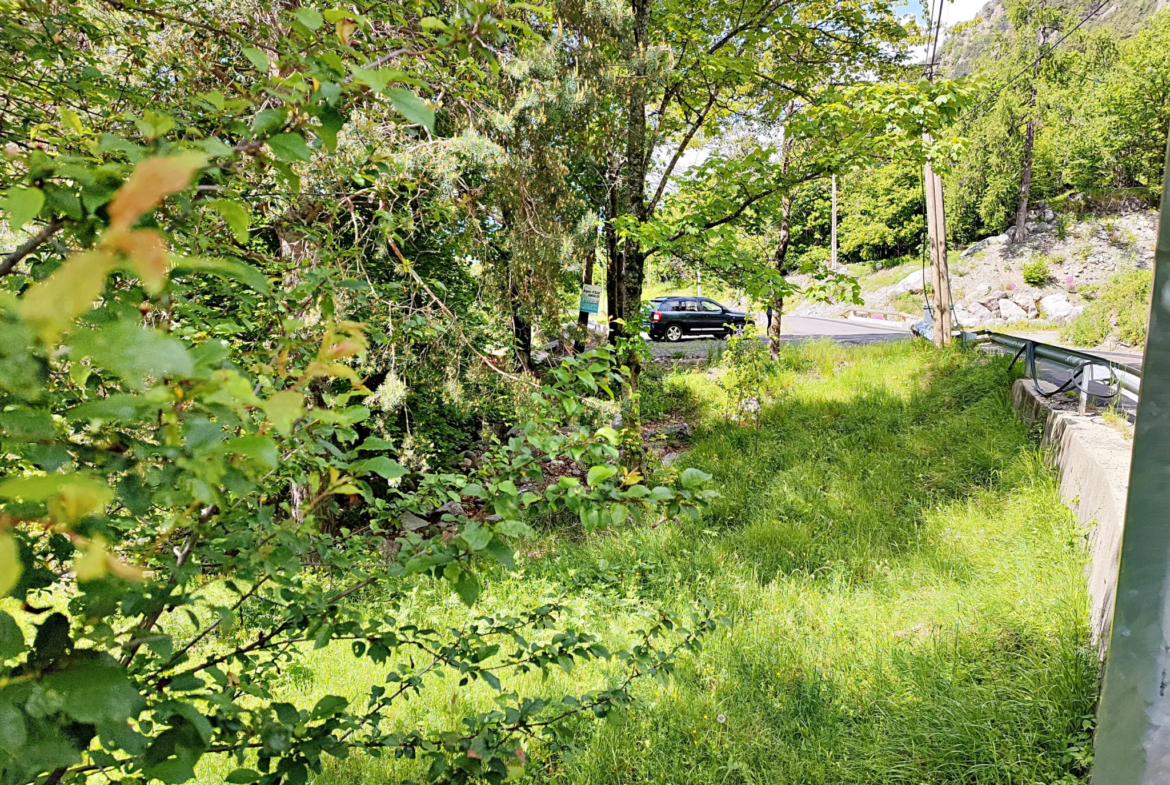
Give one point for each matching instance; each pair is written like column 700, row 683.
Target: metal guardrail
column 1083, row 367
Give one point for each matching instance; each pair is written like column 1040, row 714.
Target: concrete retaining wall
column 1092, row 459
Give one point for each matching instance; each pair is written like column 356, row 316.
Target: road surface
column 794, row 328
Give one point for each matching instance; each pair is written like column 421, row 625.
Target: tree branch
column 30, row 245
column 682, row 146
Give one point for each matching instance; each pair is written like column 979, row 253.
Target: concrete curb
column 1092, row 460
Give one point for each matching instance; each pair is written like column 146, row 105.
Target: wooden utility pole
column 940, row 279
column 936, row 225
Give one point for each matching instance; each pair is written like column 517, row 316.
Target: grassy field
column 903, row 585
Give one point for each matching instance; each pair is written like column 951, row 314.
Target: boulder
column 1056, row 306
column 1012, row 312
column 1027, row 301
column 979, row 291
column 670, row 458
column 1039, row 227
column 452, row 508
column 412, row 522
column 974, row 315
column 912, row 283
column 975, row 248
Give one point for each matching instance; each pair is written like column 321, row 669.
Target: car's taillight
column 656, row 317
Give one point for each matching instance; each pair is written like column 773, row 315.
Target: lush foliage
column 868, row 546
column 198, row 482
column 1035, row 271
column 1100, row 108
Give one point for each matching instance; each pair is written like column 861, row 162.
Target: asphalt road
column 840, row 330
column 794, row 328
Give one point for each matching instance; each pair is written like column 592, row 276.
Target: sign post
column 590, row 298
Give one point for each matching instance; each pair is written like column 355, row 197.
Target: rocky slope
column 963, row 47
column 987, row 280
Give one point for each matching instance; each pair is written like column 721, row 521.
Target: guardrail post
column 1133, row 736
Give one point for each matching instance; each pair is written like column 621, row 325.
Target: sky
column 953, row 12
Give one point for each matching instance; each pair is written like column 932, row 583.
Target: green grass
column 1120, row 308
column 904, row 586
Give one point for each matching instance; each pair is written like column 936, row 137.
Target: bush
column 1121, row 308
column 1036, row 271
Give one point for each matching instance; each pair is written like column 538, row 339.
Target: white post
column 699, row 273
column 833, row 263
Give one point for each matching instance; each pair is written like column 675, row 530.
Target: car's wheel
column 738, row 329
column 673, row 333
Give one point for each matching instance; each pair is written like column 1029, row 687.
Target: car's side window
column 686, row 305
column 710, row 307
column 669, row 305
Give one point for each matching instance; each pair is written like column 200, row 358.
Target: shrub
column 1036, row 271
column 1121, row 308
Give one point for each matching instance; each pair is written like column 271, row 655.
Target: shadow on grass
column 905, row 588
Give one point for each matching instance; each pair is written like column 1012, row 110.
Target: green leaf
column 309, row 17
column 21, row 205
column 242, row 776
column 97, row 691
column 473, row 489
column 290, row 147
column 13, row 733
column 501, row 552
column 477, row 538
column 261, row 449
column 467, row 587
column 225, row 268
column 283, row 408
column 619, row 512
column 12, row 641
column 135, row 354
column 268, row 120
column 328, row 706
column 375, row 443
column 258, row 59
column 381, row 465
column 27, row 425
column 376, row 80
column 508, row 487
column 120, row 407
column 235, row 216
column 692, row 477
column 599, row 473
column 412, row 107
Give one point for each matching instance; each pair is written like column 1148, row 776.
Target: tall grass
column 1120, row 308
column 904, row 587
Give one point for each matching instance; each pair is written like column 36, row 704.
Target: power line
column 1035, row 62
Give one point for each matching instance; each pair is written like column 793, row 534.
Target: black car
column 673, row 318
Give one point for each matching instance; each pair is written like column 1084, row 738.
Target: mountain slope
column 962, row 49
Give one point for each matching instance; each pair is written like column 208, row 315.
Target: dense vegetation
column 289, row 488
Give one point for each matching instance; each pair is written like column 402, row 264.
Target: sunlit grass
column 905, row 590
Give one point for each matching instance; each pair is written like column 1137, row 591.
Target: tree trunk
column 1021, row 232
column 781, row 260
column 521, row 327
column 614, row 272
column 582, row 316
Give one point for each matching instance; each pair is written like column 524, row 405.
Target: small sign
column 590, row 298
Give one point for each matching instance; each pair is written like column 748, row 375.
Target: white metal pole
column 699, row 273
column 834, row 253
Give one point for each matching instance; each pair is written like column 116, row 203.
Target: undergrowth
column 1120, row 308
column 903, row 584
